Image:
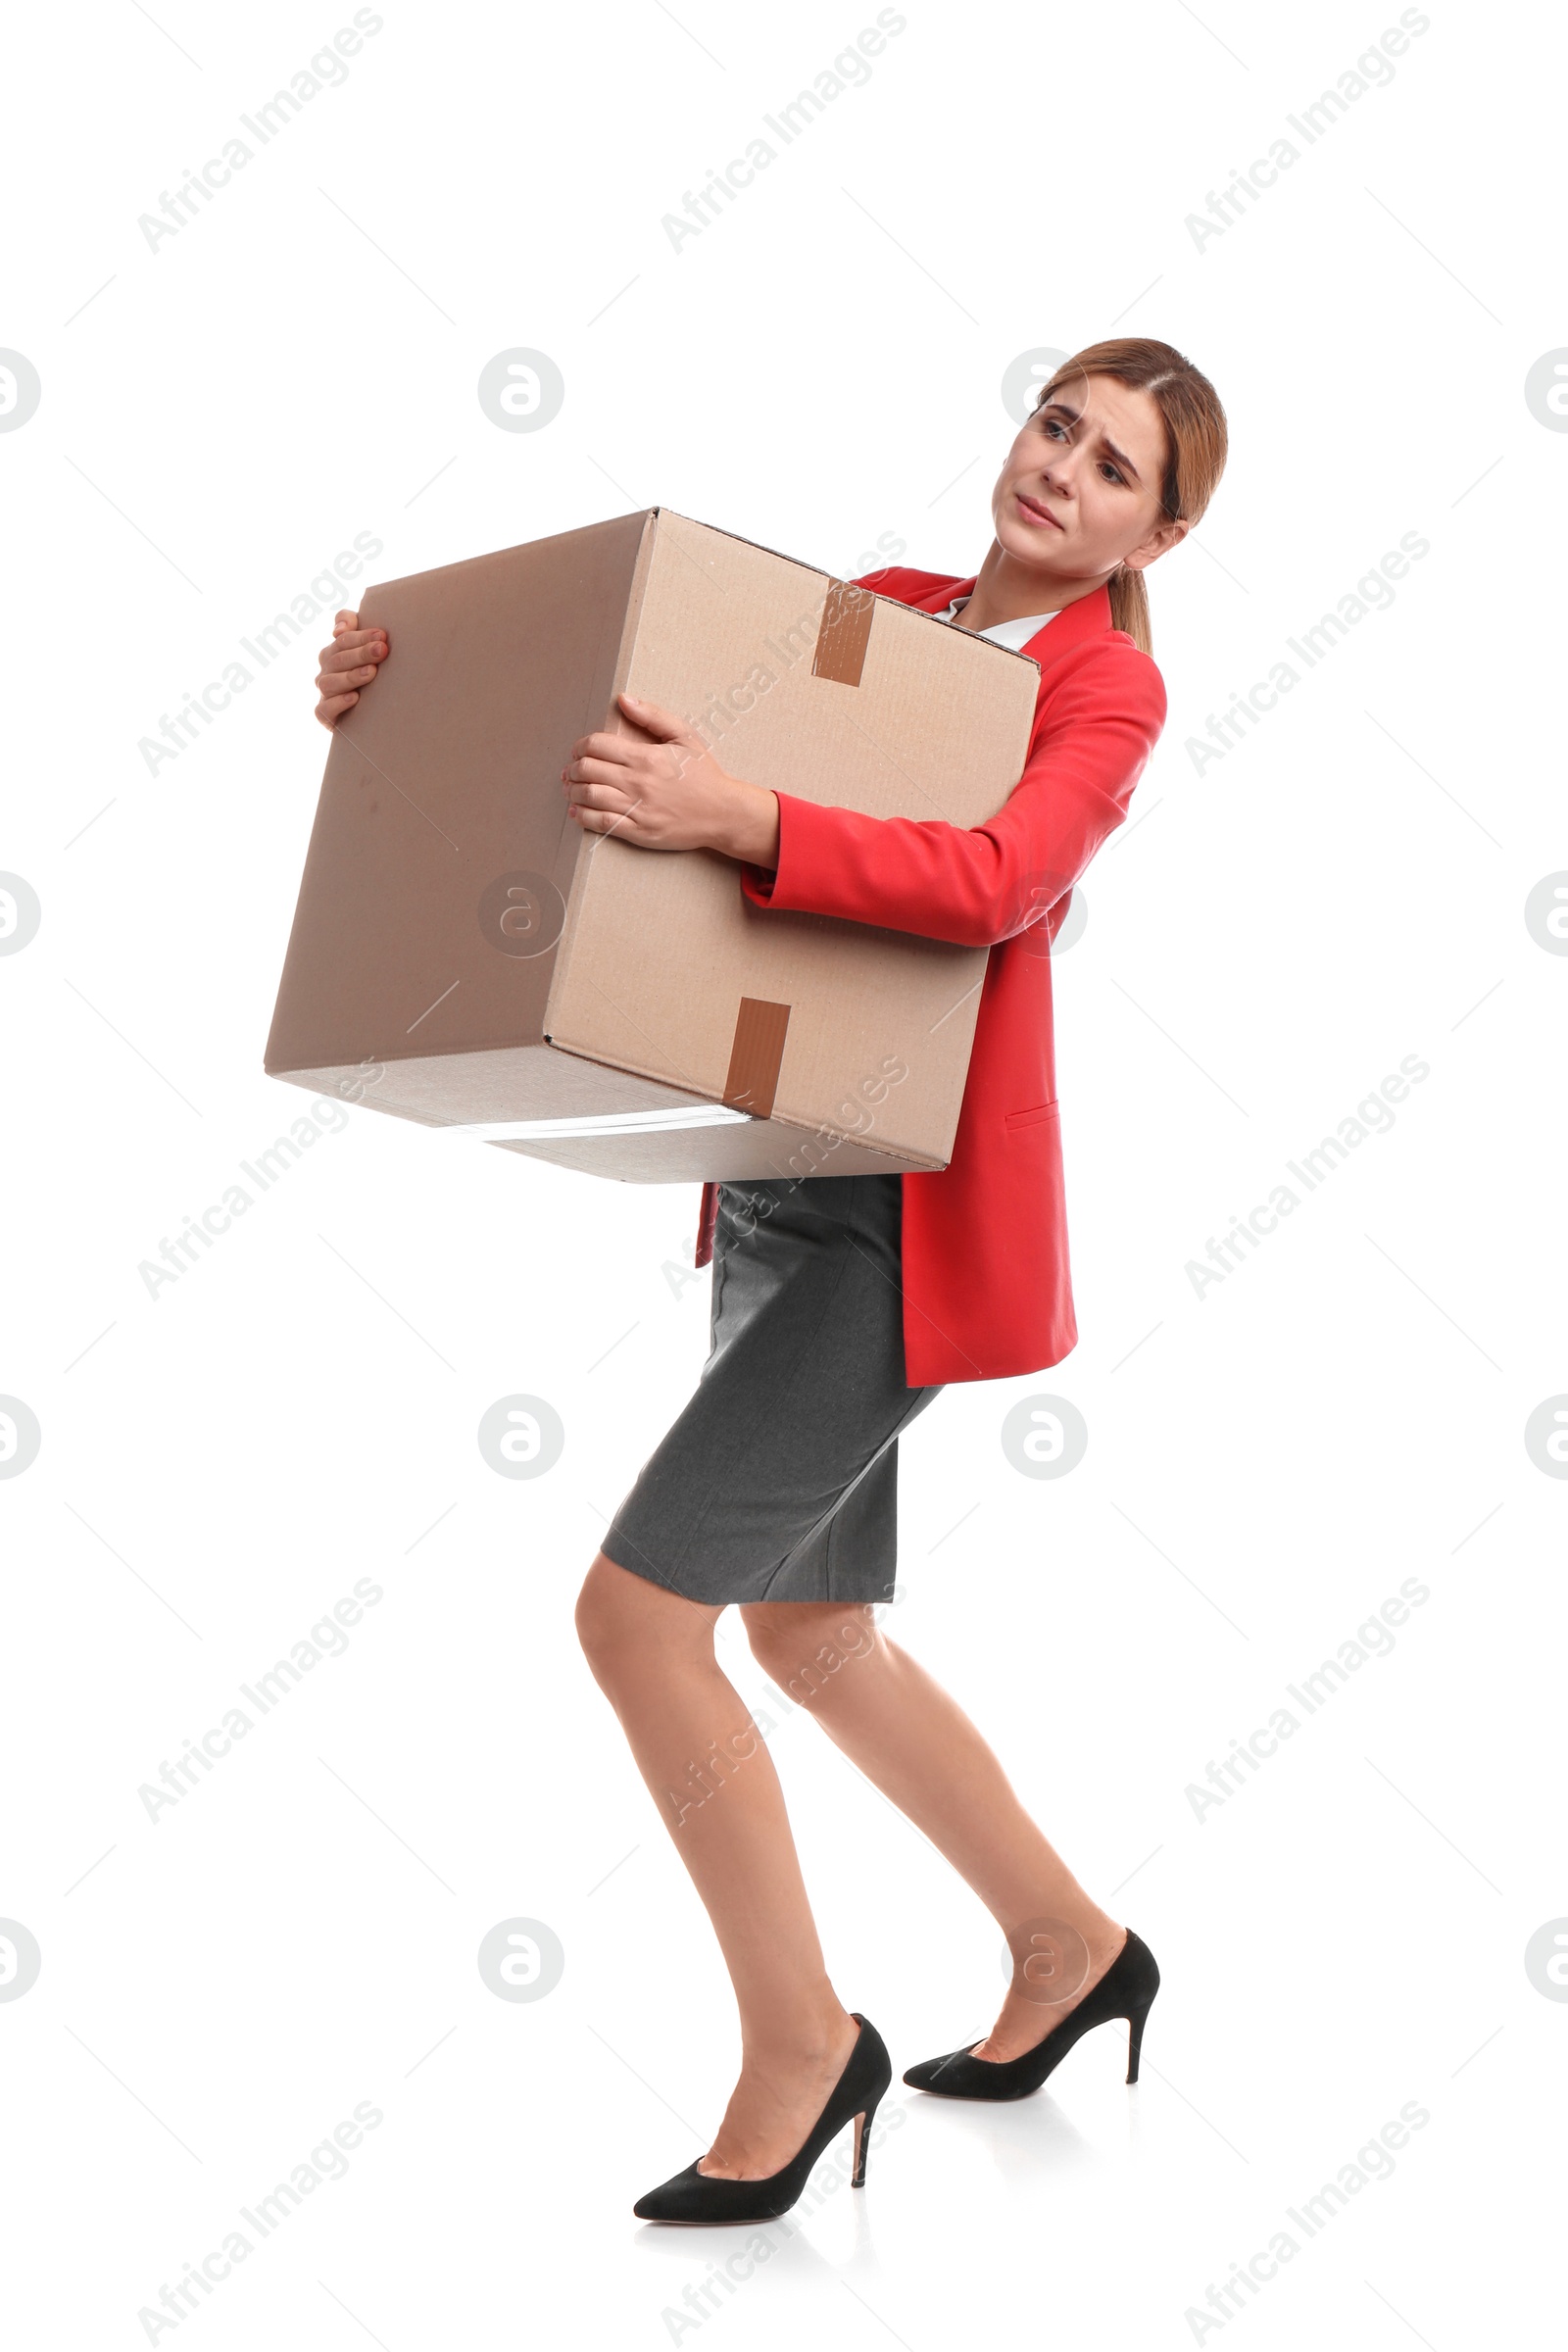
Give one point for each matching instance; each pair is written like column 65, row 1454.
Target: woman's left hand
column 671, row 793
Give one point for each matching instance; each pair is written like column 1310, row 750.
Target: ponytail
column 1129, row 607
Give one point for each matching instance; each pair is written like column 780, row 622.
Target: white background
column 1266, row 1463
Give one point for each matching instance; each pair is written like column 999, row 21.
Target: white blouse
column 1014, row 634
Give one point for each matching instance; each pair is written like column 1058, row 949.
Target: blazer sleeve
column 977, row 885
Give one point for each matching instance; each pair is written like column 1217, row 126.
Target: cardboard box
column 462, row 955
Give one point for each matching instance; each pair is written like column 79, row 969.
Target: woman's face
column 1080, row 490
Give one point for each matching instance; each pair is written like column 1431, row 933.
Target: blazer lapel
column 1087, row 617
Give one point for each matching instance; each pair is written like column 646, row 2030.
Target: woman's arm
column 972, row 886
column 979, row 885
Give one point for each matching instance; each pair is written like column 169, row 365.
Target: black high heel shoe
column 694, row 2196
column 1126, row 1990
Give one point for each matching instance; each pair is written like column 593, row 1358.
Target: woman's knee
column 609, row 1608
column 804, row 1646
column 626, row 1622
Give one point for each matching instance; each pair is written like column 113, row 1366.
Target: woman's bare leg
column 708, row 1771
column 887, row 1714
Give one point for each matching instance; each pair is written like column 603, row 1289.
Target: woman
column 842, row 1305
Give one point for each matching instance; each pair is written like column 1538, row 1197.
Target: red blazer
column 987, row 1292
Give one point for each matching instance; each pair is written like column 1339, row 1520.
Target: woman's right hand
column 348, row 665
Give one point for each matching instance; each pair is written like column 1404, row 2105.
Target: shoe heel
column 863, row 2132
column 1134, row 2041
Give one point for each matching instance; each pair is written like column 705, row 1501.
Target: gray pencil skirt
column 779, row 1479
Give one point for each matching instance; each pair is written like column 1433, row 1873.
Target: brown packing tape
column 844, row 634
column 756, row 1056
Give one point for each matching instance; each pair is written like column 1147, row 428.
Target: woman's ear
column 1163, row 536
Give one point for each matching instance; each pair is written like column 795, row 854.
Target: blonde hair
column 1195, row 446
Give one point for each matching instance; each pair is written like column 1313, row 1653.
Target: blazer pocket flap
column 1032, row 1118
